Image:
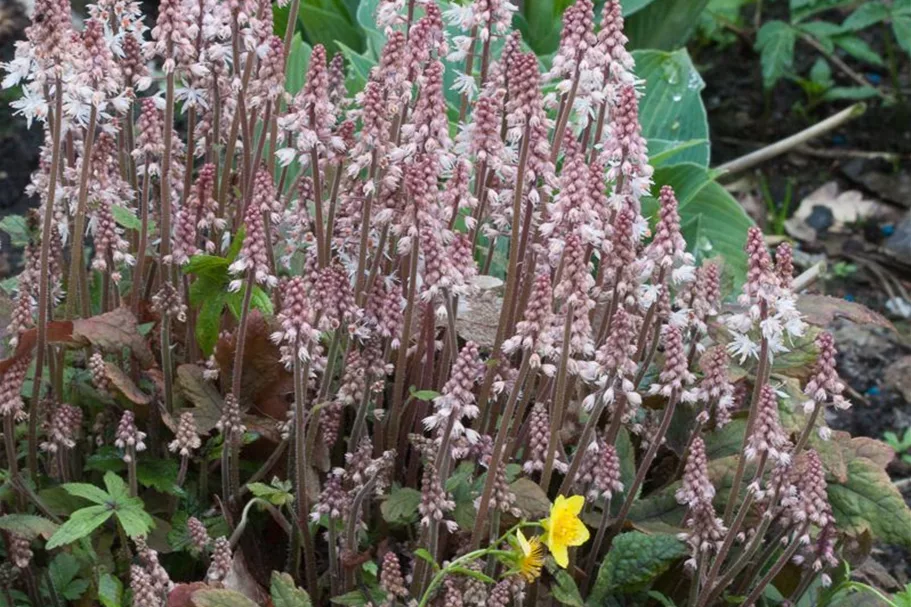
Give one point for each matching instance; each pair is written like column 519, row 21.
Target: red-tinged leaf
column 264, row 376
column 207, row 402
column 58, row 332
column 821, row 310
column 122, row 382
column 182, row 594
column 114, row 331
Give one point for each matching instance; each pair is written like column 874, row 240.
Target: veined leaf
column 869, row 500
column 285, row 592
column 87, row 491
column 401, row 507
column 117, row 488
column 664, row 24
column 110, row 590
column 17, row 229
column 565, row 589
column 63, row 570
column 221, row 598
column 671, row 110
column 867, row 14
column 859, row 49
column 80, row 525
column 635, row 559
column 775, row 43
column 901, row 24
column 28, row 526
column 329, row 26
column 298, row 63
column 136, row 521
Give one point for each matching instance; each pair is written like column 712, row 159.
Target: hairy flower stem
column 333, row 556
column 138, row 272
column 499, row 447
column 131, row 471
column 646, row 463
column 777, row 567
column 735, row 526
column 78, row 235
column 761, row 371
column 359, row 288
column 398, row 391
column 587, row 434
column 45, row 280
column 560, row 396
column 301, row 371
column 9, row 439
column 566, row 110
column 512, row 277
column 805, row 435
column 167, row 366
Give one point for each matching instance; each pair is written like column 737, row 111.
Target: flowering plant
column 425, row 320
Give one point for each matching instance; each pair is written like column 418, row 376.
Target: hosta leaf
column 220, row 598
column 28, row 526
column 80, row 525
column 136, row 522
column 869, row 500
column 86, row 491
column 285, row 592
column 635, row 559
column 401, row 507
column 298, row 62
column 775, row 43
column 671, row 111
column 329, row 25
column 726, row 441
column 714, row 223
column 664, row 24
column 110, row 591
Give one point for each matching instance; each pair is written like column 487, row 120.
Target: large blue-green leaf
column 328, row 23
column 298, row 62
column 671, row 111
column 713, row 222
column 664, row 24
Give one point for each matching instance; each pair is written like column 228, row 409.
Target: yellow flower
column 530, row 557
column 563, row 528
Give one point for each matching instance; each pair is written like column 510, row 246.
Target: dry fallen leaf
column 122, row 382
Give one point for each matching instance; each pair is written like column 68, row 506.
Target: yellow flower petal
column 563, row 528
column 561, row 555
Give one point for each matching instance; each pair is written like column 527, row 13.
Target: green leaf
column 221, row 598
column 401, row 507
column 276, row 495
column 28, row 526
column 298, row 62
column 869, row 501
column 426, row 395
column 775, row 43
column 423, row 554
column 901, row 24
column 664, row 24
column 110, row 591
column 106, row 459
column 208, row 322
column 671, row 109
column 802, row 9
column 722, row 223
column 853, row 93
column 136, row 522
column 329, row 25
column 285, row 593
column 540, row 23
column 159, row 474
column 664, row 152
column 87, row 491
column 62, row 571
column 565, row 589
column 859, row 49
column 80, row 525
column 473, row 574
column 210, row 266
column 17, row 228
column 821, row 73
column 117, row 488
column 359, row 66
column 635, row 559
column 126, row 218
column 822, row 31
column 867, row 14
column 356, row 598
column 726, row 441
